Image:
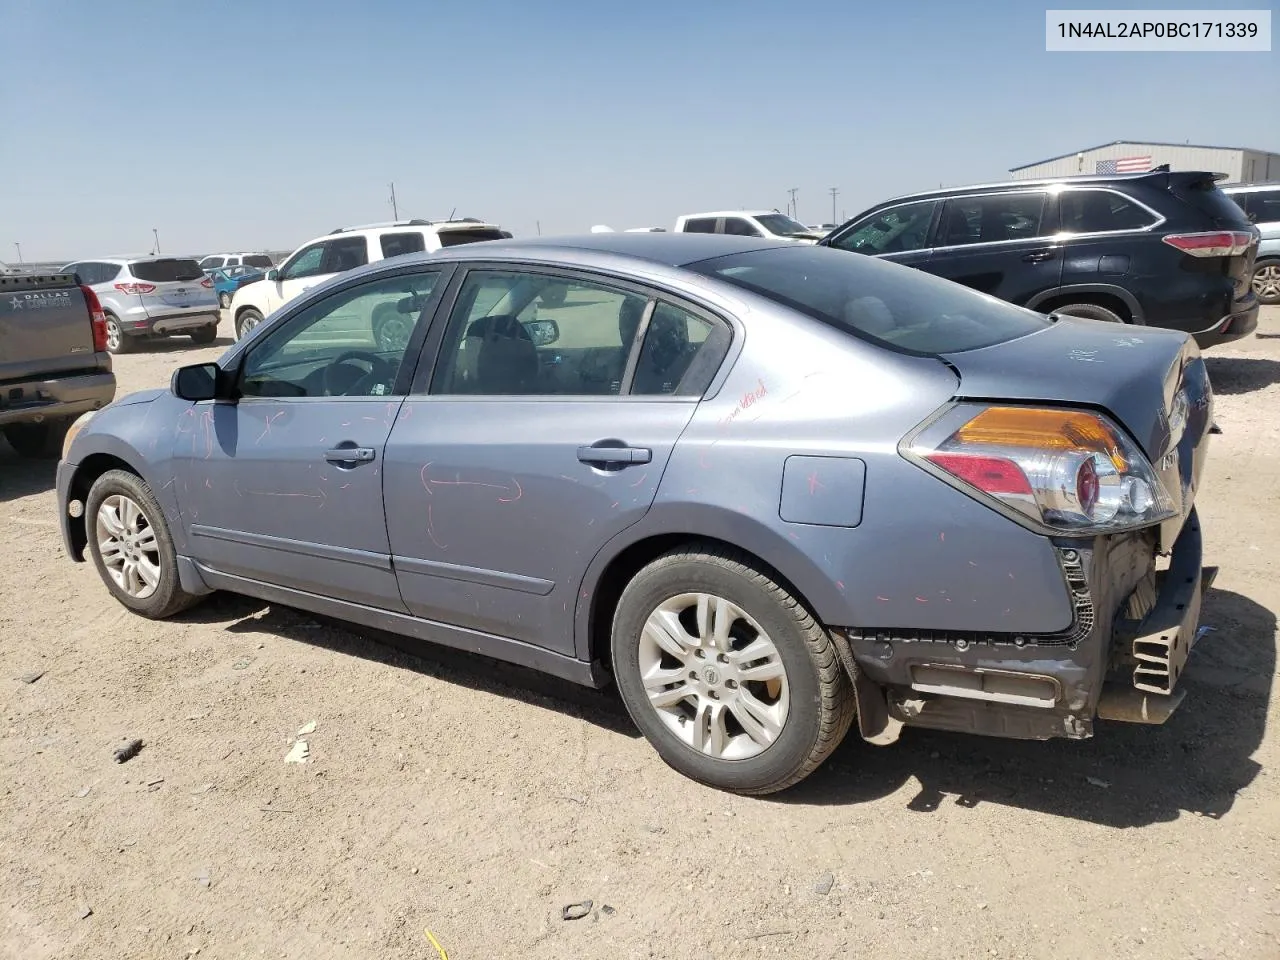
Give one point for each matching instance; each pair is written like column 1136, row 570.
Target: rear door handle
column 1037, row 256
column 350, row 455
column 615, row 454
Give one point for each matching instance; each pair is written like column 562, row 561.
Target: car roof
column 668, row 249
column 729, row 213
column 1070, row 180
column 1248, row 187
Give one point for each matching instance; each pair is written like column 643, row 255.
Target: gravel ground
column 450, row 793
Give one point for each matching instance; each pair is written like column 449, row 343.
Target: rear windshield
column 166, row 271
column 1208, row 199
column 880, row 301
column 258, row 260
column 451, row 238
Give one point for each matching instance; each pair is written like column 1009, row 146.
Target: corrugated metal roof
column 1136, row 143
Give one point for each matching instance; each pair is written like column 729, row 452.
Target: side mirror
column 198, row 381
column 273, row 274
column 543, row 332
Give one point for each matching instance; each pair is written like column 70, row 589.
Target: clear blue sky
column 262, row 123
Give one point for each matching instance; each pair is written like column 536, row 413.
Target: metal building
column 1240, row 164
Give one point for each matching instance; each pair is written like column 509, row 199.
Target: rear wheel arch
column 1116, row 299
column 595, row 619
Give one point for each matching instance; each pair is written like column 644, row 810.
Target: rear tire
column 205, row 334
column 38, row 441
column 117, row 340
column 1266, row 281
column 123, row 518
column 754, row 709
column 1089, row 311
column 246, row 320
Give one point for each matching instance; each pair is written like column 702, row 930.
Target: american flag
column 1125, row 165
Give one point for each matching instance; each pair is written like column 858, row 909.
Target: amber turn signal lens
column 1031, row 427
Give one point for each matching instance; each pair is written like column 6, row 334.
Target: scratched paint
column 266, row 426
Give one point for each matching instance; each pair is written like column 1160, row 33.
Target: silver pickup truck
column 54, row 364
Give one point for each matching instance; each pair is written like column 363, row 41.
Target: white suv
column 345, row 249
column 748, row 223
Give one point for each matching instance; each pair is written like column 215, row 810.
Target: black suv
column 1167, row 249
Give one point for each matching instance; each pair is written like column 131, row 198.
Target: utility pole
column 538, row 226
column 395, row 210
column 794, row 212
column 835, row 192
column 155, row 233
column 19, row 246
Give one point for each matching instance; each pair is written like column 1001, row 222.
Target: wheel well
column 1112, row 303
column 92, row 467
column 633, row 559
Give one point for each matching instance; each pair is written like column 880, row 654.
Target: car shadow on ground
column 20, row 477
column 1128, row 775
column 600, row 707
column 178, row 345
column 1231, row 375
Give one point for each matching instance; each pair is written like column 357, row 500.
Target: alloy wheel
column 114, row 336
column 1266, row 282
column 128, row 547
column 713, row 676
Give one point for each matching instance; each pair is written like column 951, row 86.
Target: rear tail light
column 97, row 318
column 207, row 283
column 136, row 288
column 1228, row 243
column 1064, row 471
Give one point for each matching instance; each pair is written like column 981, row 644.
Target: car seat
column 506, row 360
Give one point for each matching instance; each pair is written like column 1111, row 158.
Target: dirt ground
column 450, row 793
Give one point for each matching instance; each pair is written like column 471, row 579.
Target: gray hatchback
column 765, row 488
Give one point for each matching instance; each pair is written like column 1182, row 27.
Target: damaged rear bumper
column 1133, row 630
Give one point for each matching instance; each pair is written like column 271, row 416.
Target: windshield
column 874, row 299
column 166, row 271
column 780, row 225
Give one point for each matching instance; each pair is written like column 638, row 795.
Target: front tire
column 246, row 320
column 1089, row 311
column 726, row 673
column 38, row 441
column 1266, row 281
column 131, row 546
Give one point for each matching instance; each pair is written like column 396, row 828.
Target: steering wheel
column 343, row 378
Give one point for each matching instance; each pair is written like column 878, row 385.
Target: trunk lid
column 178, row 284
column 45, row 327
column 1152, row 382
column 1200, row 192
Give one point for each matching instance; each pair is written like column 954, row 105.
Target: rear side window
column 991, row 219
column 258, row 260
column 874, row 299
column 452, row 238
column 1097, row 211
column 211, row 263
column 398, row 244
column 1261, row 206
column 166, row 270
column 700, row 225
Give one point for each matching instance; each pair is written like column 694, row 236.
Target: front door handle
column 350, row 455
column 1038, row 256
column 615, row 454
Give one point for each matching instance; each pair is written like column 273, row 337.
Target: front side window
column 739, row 227
column 875, row 300
column 339, row 347
column 899, row 229
column 1098, row 211
column 700, row 225
column 529, row 334
column 780, row 225
column 345, row 253
column 305, row 263
column 995, row 218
